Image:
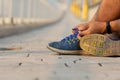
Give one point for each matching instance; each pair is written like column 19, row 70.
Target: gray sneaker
column 100, row 45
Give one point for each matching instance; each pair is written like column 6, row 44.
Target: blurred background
column 41, row 11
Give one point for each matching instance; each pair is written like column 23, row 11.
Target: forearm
column 108, row 11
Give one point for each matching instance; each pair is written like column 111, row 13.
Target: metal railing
column 80, row 8
column 21, row 11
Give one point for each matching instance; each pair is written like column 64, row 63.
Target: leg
column 108, row 11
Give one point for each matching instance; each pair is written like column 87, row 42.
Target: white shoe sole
column 100, row 45
column 66, row 52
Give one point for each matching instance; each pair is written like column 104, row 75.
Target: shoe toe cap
column 54, row 44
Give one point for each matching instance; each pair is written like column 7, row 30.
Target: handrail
column 28, row 12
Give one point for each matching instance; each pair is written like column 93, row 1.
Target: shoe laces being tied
column 72, row 37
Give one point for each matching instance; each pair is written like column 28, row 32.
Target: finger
column 78, row 36
column 83, row 33
column 82, row 27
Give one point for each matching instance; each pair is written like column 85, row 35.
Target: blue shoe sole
column 100, row 45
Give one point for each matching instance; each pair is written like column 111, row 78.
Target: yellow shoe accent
column 93, row 51
column 100, row 45
column 94, row 43
column 100, row 52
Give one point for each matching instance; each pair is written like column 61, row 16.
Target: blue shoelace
column 71, row 37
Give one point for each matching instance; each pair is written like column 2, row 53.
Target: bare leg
column 109, row 10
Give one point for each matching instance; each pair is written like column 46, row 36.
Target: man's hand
column 91, row 28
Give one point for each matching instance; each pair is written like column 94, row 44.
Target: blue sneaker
column 68, row 45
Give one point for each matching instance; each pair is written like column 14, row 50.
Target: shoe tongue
column 75, row 34
column 70, row 37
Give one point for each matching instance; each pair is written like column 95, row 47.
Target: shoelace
column 71, row 37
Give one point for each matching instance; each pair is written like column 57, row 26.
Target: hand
column 80, row 27
column 91, row 28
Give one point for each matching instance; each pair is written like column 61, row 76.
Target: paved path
column 31, row 60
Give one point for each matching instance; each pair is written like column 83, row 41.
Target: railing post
column 10, row 10
column 21, row 11
column 6, row 19
column 1, row 15
column 33, row 11
column 29, row 11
